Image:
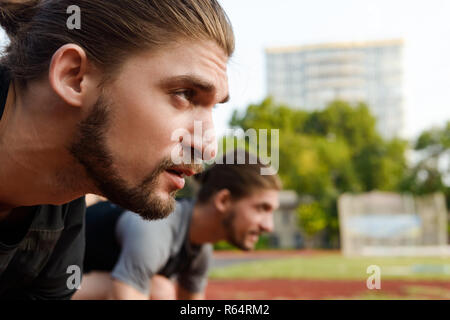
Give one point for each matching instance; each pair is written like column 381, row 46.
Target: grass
column 337, row 267
column 412, row 293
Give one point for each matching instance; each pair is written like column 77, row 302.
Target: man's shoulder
column 77, row 205
column 4, row 86
column 60, row 215
column 169, row 232
column 131, row 226
column 183, row 210
column 4, row 74
column 54, row 241
column 205, row 251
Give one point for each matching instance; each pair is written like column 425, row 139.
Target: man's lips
column 181, row 171
column 254, row 235
column 176, row 179
column 176, row 175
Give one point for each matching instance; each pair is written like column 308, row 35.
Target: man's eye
column 185, row 94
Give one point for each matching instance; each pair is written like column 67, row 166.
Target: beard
column 231, row 235
column 90, row 150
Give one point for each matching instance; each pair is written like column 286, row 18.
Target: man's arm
column 162, row 288
column 193, row 280
column 123, row 291
column 183, row 294
column 99, row 285
column 144, row 251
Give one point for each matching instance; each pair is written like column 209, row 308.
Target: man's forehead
column 199, row 63
column 198, row 51
column 185, row 52
column 266, row 196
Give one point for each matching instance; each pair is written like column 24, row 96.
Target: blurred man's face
column 249, row 217
column 126, row 141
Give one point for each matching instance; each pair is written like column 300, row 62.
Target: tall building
column 311, row 76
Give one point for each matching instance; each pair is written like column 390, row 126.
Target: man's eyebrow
column 192, row 81
column 266, row 204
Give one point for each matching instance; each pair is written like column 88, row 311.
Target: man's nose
column 204, row 141
column 267, row 223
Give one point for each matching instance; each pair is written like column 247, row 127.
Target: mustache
column 167, row 164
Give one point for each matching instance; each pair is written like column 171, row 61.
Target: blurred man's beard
column 228, row 222
column 90, row 149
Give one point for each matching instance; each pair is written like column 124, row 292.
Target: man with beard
column 93, row 110
column 127, row 256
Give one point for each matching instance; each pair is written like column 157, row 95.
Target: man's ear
column 222, row 200
column 67, row 71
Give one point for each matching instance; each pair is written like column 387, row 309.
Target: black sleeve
column 194, row 277
column 69, row 251
column 4, row 86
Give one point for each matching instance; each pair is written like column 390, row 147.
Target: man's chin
column 158, row 205
column 158, row 209
column 244, row 243
column 250, row 244
column 246, row 246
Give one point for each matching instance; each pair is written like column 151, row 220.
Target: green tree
column 311, row 219
column 328, row 152
column 427, row 176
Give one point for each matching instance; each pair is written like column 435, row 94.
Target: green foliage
column 326, row 153
column 262, row 244
column 311, row 218
column 436, row 138
column 188, row 191
column 426, row 176
column 224, row 245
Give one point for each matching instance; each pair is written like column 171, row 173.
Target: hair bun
column 14, row 14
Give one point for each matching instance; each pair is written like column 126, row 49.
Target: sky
column 422, row 24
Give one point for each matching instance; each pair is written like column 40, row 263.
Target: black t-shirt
column 4, row 84
column 44, row 262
